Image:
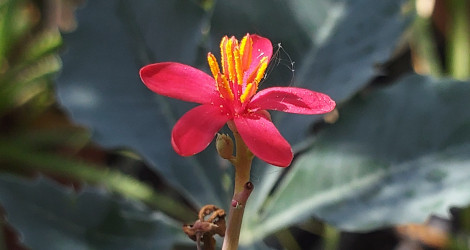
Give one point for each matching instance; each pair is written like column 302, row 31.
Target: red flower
column 230, row 95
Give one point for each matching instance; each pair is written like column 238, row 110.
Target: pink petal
column 263, row 139
column 179, row 81
column 261, row 47
column 194, row 131
column 292, row 100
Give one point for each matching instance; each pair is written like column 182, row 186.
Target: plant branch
column 242, row 190
column 237, row 210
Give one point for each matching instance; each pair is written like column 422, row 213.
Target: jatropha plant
column 230, row 96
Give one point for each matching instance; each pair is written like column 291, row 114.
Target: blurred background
column 39, row 140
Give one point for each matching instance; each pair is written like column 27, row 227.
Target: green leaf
column 50, row 217
column 330, row 42
column 347, row 41
column 100, row 85
column 395, row 156
column 348, row 46
column 272, row 19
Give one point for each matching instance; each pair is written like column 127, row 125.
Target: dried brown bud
column 203, row 229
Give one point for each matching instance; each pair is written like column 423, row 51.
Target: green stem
column 459, row 39
column 237, row 208
column 115, row 181
column 287, row 240
column 331, row 237
column 243, row 163
column 425, row 46
column 242, row 191
column 232, row 234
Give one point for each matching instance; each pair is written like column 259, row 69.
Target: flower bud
column 224, row 145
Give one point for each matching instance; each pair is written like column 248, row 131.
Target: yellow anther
column 230, row 63
column 223, row 86
column 213, row 65
column 238, row 65
column 246, row 47
column 260, row 71
column 247, row 93
column 223, row 54
column 235, row 61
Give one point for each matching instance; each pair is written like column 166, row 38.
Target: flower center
column 239, row 79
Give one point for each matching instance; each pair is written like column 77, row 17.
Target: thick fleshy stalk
column 242, row 190
column 237, row 209
column 242, row 161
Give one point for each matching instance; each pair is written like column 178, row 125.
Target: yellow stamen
column 224, row 87
column 213, row 65
column 247, row 93
column 235, row 61
column 223, row 54
column 258, row 73
column 230, row 62
column 238, row 65
column 262, row 67
column 246, row 47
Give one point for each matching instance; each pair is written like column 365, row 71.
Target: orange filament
column 223, row 54
column 213, row 65
column 258, row 73
column 247, row 93
column 224, row 87
column 230, row 60
column 256, row 77
column 263, row 64
column 246, row 48
column 238, row 65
